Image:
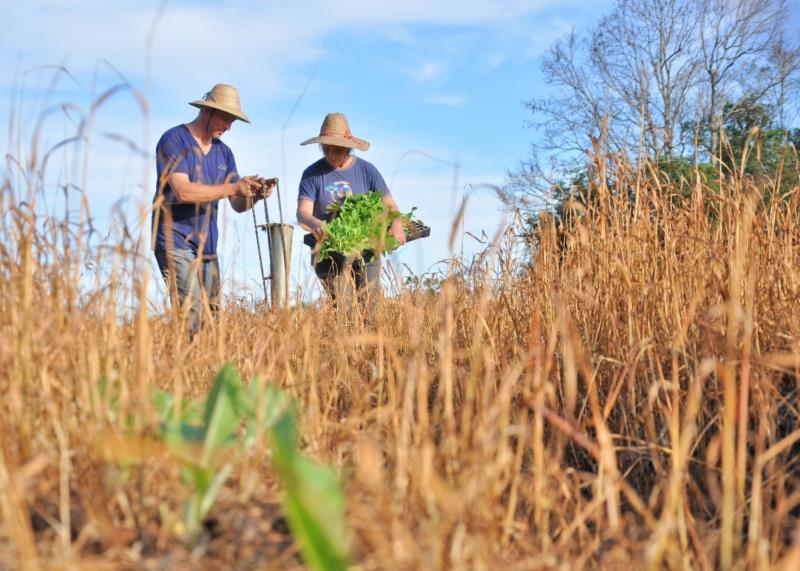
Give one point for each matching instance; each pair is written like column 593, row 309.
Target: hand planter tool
column 279, row 236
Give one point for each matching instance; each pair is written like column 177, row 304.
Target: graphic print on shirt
column 339, row 190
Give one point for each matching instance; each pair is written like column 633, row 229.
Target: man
column 195, row 170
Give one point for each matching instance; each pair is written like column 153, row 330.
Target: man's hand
column 247, row 187
column 396, row 230
column 266, row 185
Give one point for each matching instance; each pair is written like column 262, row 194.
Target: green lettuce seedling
column 360, row 224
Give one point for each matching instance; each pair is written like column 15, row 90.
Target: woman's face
column 337, row 157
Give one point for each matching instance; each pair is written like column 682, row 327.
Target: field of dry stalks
column 627, row 400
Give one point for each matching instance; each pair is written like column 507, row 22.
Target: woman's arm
column 306, row 218
column 396, row 230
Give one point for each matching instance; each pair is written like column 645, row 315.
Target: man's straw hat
column 222, row 97
column 336, row 131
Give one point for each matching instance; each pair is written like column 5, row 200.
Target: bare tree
column 644, row 52
column 737, row 38
column 657, row 72
column 786, row 64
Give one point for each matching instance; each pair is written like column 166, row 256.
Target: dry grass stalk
column 630, row 395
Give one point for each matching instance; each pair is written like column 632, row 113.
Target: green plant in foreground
column 312, row 499
column 215, row 431
column 360, row 224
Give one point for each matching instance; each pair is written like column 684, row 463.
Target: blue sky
column 436, row 87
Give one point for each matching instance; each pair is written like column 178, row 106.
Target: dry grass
column 631, row 401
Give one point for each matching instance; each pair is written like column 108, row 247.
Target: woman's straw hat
column 336, row 131
column 223, row 97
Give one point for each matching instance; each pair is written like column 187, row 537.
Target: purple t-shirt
column 185, row 225
column 324, row 184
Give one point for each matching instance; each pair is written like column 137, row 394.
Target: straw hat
column 222, row 97
column 336, row 131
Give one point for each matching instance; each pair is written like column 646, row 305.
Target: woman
column 336, row 175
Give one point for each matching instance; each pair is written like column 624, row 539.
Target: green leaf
column 198, row 478
column 210, row 493
column 223, row 411
column 181, row 429
column 360, row 224
column 313, row 501
column 273, row 402
column 206, row 486
column 182, row 432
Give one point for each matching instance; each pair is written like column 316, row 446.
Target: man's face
column 219, row 122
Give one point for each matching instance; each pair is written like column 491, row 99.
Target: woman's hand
column 317, row 231
column 306, row 218
column 396, row 230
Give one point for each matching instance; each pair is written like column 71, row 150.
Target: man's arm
column 195, row 192
column 264, row 190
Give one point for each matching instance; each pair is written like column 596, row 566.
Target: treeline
column 690, row 87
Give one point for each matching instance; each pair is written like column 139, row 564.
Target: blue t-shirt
column 324, row 184
column 187, row 225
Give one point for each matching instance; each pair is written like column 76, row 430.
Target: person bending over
column 337, row 175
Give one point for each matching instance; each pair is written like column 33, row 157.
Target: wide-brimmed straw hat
column 223, row 97
column 335, row 131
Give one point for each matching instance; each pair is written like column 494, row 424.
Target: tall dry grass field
column 627, row 401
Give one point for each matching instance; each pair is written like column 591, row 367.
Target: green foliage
column 360, row 224
column 225, row 427
column 680, row 175
column 754, row 145
column 313, row 502
column 214, row 430
column 223, row 411
column 186, row 417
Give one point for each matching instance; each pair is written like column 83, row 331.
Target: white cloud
column 495, row 61
column 429, row 72
column 448, row 100
column 233, row 36
column 443, row 12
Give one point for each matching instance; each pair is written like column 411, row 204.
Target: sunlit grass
column 628, row 398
